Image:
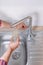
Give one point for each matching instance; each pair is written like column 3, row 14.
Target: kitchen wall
column 18, row 9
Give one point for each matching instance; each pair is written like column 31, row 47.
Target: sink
column 35, row 49
column 18, row 57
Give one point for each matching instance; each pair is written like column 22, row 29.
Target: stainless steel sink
column 35, row 49
column 18, row 57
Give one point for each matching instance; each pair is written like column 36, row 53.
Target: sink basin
column 35, row 49
column 18, row 57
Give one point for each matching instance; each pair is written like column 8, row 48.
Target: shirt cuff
column 2, row 62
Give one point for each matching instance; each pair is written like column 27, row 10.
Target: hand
column 4, row 24
column 21, row 26
column 13, row 45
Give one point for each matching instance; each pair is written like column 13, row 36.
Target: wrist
column 10, row 50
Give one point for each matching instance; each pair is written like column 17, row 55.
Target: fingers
column 15, row 42
column 12, row 40
column 21, row 26
column 13, row 45
column 4, row 24
column 18, row 39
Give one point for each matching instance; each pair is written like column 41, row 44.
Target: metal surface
column 27, row 20
column 35, row 49
column 18, row 57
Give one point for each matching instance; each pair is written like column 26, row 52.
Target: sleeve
column 0, row 22
column 2, row 62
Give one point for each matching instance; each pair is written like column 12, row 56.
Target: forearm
column 12, row 46
column 7, row 55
